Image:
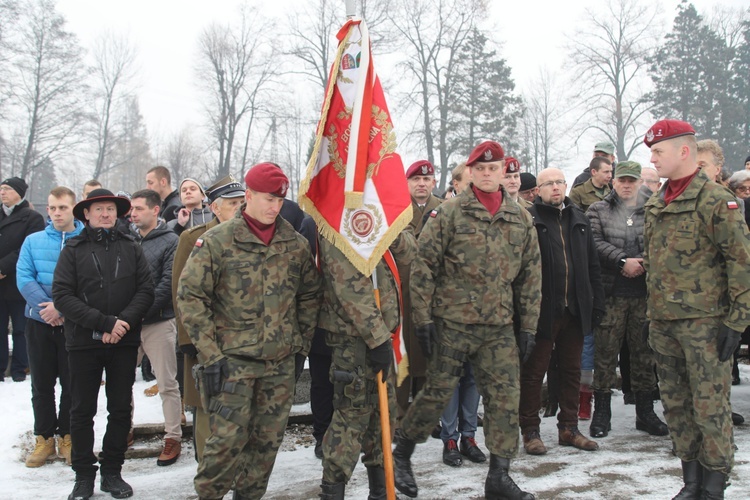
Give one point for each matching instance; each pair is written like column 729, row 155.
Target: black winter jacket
column 589, row 291
column 170, row 206
column 101, row 276
column 159, row 246
column 608, row 224
column 14, row 228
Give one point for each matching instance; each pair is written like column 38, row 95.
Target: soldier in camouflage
column 697, row 255
column 359, row 334
column 249, row 298
column 489, row 241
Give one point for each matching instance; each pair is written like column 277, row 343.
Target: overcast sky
column 166, row 33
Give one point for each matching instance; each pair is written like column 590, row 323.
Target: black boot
column 404, row 479
column 376, row 478
column 113, row 484
column 692, row 475
column 83, row 489
column 645, row 418
column 499, row 484
column 714, row 483
column 332, row 491
column 601, row 423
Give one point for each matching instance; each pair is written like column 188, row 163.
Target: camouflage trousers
column 247, row 423
column 694, row 388
column 493, row 353
column 355, row 425
column 624, row 319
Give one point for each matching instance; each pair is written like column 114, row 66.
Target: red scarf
column 264, row 232
column 675, row 187
column 491, row 201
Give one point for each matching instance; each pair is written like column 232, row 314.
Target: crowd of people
column 503, row 283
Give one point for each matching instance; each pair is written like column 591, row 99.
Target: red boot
column 584, row 405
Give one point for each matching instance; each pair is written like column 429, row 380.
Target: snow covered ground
column 629, row 463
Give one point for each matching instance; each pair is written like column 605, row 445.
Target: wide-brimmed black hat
column 101, row 194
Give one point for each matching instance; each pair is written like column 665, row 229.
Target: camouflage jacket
column 239, row 297
column 474, row 268
column 584, row 195
column 697, row 255
column 350, row 307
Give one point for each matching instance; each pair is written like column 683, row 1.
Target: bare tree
column 113, row 70
column 236, row 64
column 48, row 90
column 610, row 57
column 183, row 156
column 434, row 32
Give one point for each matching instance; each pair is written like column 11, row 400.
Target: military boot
column 601, row 424
column 376, row 478
column 714, row 483
column 83, row 489
column 645, row 418
column 404, row 479
column 332, row 491
column 113, row 484
column 499, row 484
column 692, row 475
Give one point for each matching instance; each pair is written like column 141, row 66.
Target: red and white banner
column 355, row 186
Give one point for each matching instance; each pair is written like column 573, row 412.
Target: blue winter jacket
column 36, row 266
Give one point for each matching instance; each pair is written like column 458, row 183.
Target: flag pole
column 385, row 419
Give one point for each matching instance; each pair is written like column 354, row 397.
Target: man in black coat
column 103, row 288
column 572, row 305
column 17, row 221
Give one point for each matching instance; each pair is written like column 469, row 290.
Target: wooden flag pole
column 385, row 419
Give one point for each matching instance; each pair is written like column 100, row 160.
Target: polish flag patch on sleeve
column 433, row 214
column 199, row 242
column 732, row 205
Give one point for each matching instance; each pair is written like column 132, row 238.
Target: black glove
column 728, row 341
column 213, row 376
column 189, row 350
column 597, row 317
column 427, row 336
column 381, row 358
column 645, row 330
column 526, row 343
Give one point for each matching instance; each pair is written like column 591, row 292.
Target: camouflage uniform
column 497, row 259
column 256, row 306
column 584, row 195
column 697, row 254
column 354, row 323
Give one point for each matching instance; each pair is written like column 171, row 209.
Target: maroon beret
column 267, row 178
column 420, row 167
column 486, row 152
column 512, row 166
column 667, row 129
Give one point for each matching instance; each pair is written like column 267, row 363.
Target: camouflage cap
column 605, row 147
column 628, row 169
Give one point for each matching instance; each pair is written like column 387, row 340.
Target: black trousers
column 321, row 393
column 13, row 310
column 48, row 361
column 86, row 367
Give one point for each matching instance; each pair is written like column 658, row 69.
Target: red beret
column 667, row 129
column 420, row 167
column 267, row 178
column 486, row 152
column 512, row 166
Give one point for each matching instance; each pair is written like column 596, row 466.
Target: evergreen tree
column 485, row 106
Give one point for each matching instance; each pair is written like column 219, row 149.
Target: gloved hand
column 381, row 358
column 526, row 343
column 729, row 339
column 645, row 330
column 214, row 375
column 596, row 318
column 427, row 336
column 189, row 350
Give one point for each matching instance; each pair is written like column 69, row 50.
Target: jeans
column 13, row 310
column 463, row 424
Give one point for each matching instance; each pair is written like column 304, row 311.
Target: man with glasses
column 572, row 305
column 478, row 264
column 651, row 180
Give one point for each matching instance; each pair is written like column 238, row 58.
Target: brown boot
column 64, row 448
column 533, row 444
column 571, row 436
column 43, row 450
column 170, row 453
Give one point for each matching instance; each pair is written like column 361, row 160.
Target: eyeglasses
column 558, row 182
column 743, row 189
